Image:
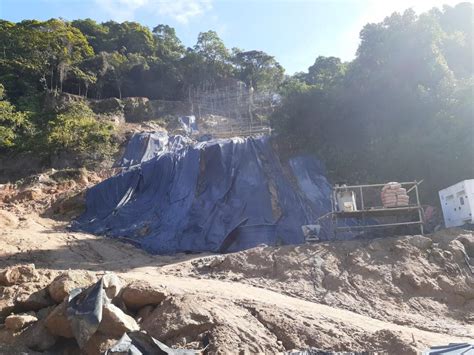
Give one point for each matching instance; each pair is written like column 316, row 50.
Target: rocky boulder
column 107, row 106
column 18, row 274
column 420, row 241
column 139, row 294
column 137, row 109
column 26, row 301
column 7, row 302
column 115, row 322
column 177, row 317
column 112, row 285
column 98, row 344
column 17, row 322
column 37, row 337
column 57, row 322
column 62, row 285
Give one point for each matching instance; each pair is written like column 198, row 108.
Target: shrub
column 77, row 130
column 12, row 123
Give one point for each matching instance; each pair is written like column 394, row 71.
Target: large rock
column 37, row 337
column 140, row 293
column 115, row 322
column 137, row 109
column 98, row 344
column 62, row 285
column 7, row 301
column 112, row 285
column 468, row 241
column 17, row 322
column 35, row 301
column 178, row 317
column 144, row 312
column 110, row 105
column 57, row 322
column 420, row 241
column 18, row 274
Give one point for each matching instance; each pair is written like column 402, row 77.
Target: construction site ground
column 395, row 294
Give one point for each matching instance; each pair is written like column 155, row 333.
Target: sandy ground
column 285, row 310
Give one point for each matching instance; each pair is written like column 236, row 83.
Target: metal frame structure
column 365, row 212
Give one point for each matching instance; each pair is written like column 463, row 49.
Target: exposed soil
column 400, row 294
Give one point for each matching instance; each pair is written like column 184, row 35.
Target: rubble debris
column 386, row 295
column 18, row 274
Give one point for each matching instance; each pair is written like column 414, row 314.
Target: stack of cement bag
column 394, row 195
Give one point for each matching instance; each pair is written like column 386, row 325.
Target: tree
column 96, row 34
column 402, row 109
column 211, row 47
column 44, row 52
column 208, row 62
column 118, row 66
column 129, row 37
column 168, row 45
column 325, row 72
column 258, row 69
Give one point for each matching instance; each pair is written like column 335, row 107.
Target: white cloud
column 121, row 10
column 179, row 10
column 183, row 10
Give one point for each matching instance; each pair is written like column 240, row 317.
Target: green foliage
column 77, row 130
column 325, row 72
column 401, row 110
column 12, row 123
column 110, row 59
column 168, row 45
column 258, row 69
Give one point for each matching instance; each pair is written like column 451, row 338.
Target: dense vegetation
column 402, row 109
column 97, row 61
column 121, row 59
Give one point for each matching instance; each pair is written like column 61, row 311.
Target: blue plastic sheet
column 146, row 146
column 219, row 196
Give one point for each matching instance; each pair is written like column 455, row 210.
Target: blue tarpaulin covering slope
column 220, row 196
column 146, row 146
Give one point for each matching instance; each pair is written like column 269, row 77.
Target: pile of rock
column 73, row 312
column 394, row 195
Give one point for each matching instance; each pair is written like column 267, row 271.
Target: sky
column 294, row 31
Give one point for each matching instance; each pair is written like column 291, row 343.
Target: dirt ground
column 398, row 295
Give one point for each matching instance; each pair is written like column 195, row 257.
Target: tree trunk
column 52, row 81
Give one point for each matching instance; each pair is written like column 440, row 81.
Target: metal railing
column 370, row 214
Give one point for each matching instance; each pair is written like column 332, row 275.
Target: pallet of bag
column 394, row 195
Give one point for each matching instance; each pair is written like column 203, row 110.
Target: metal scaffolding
column 369, row 214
